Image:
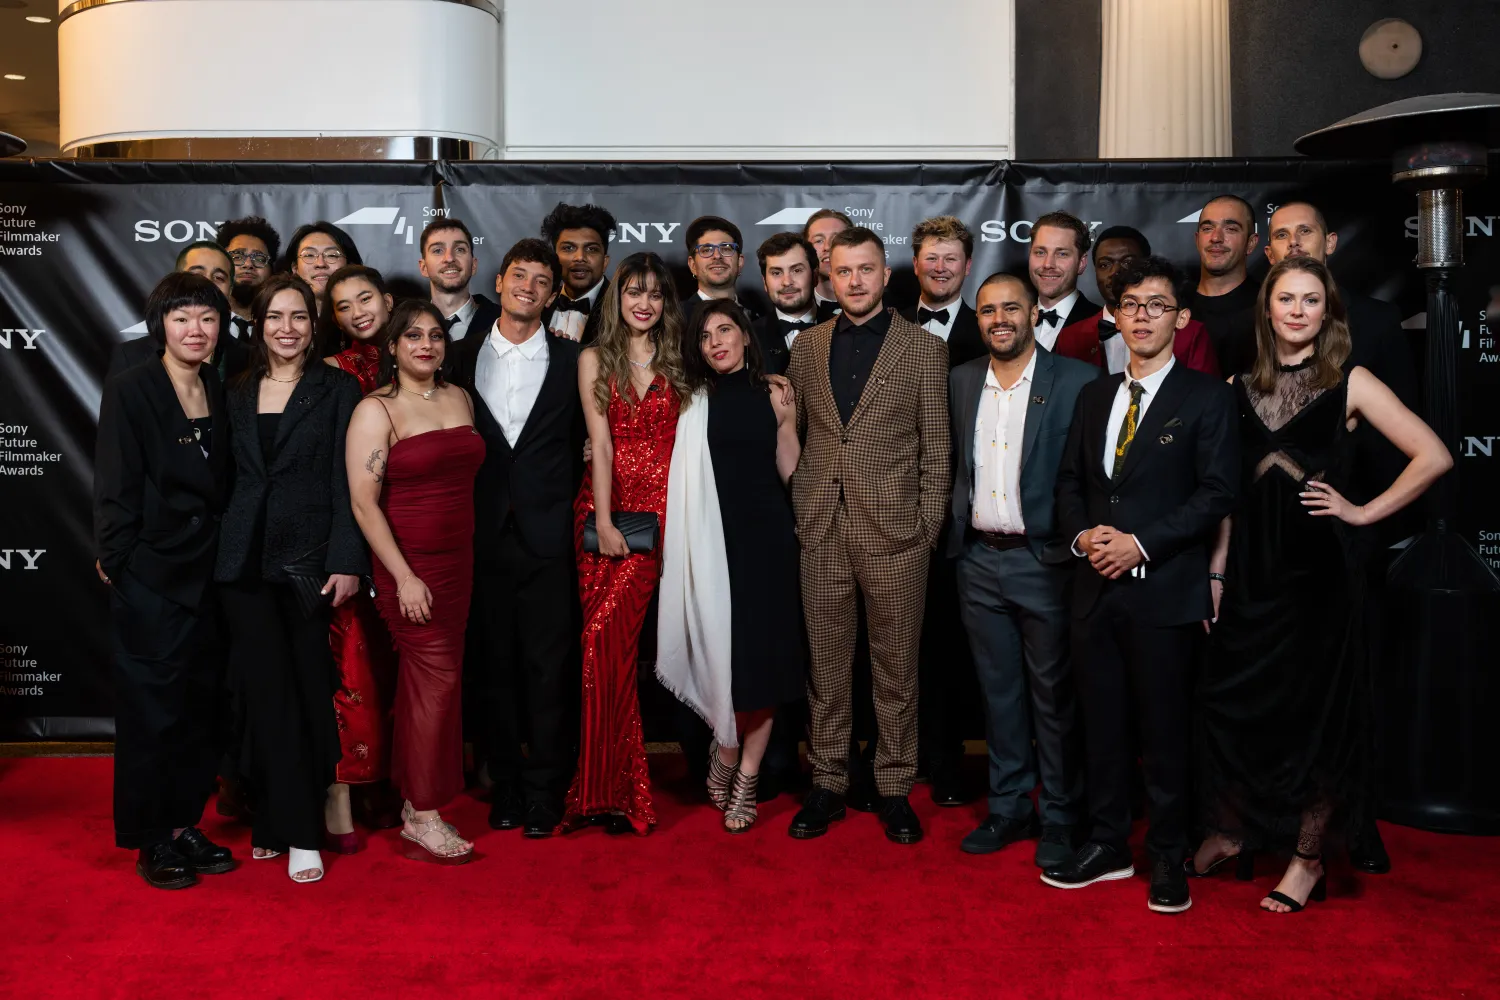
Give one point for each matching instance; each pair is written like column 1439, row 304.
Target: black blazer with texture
column 302, row 500
column 157, row 498
column 964, row 342
column 1180, row 479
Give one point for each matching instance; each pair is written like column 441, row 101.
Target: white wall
column 791, row 79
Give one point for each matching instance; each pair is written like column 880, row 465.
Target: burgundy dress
column 428, row 500
column 363, row 654
column 615, row 593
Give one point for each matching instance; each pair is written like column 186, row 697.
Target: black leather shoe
column 1367, row 851
column 1169, row 888
column 1094, row 862
column 901, row 823
column 507, row 811
column 819, row 809
column 163, row 868
column 541, row 820
column 1056, row 848
column 997, row 832
column 947, row 788
column 203, row 855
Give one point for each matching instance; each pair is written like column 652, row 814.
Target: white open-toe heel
column 299, row 860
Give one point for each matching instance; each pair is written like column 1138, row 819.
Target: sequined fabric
column 615, row 593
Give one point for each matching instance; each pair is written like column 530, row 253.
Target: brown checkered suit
column 870, row 499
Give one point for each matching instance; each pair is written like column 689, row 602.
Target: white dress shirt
column 809, row 317
column 570, row 322
column 462, row 319
column 509, row 377
column 942, row 330
column 1046, row 330
column 1116, row 354
column 999, row 429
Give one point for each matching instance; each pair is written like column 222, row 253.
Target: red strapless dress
column 428, row 500
column 612, row 775
column 363, row 653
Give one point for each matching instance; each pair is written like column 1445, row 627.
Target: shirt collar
column 1065, row 306
column 465, row 312
column 991, row 381
column 878, row 324
column 592, row 295
column 530, row 347
column 952, row 307
column 1106, row 316
column 811, row 316
column 1153, row 382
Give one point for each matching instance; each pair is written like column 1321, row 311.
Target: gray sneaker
column 1055, row 848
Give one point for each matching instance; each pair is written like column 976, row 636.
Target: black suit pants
column 168, row 669
column 526, row 606
column 947, row 689
column 1123, row 667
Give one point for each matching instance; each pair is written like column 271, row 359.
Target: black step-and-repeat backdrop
column 82, row 243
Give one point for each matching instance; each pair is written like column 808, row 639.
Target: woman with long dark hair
column 412, row 456
column 632, row 383
column 289, row 549
column 1285, row 715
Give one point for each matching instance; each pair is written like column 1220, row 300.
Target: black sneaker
column 1094, row 862
column 203, row 855
column 1169, row 888
column 1056, row 847
column 999, row 831
column 163, row 868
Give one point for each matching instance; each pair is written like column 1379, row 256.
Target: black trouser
column 168, row 669
column 1119, row 664
column 528, row 658
column 945, row 673
column 287, row 680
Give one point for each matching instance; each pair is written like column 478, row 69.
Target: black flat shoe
column 163, row 868
column 1094, row 862
column 1169, row 888
column 997, row 832
column 1367, row 850
column 901, row 823
column 821, row 808
column 203, row 855
column 541, row 820
column 507, row 811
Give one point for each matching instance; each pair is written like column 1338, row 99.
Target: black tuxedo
column 523, row 636
column 231, row 356
column 1082, row 310
column 964, row 342
column 827, row 309
column 1135, row 638
column 485, row 315
column 590, row 325
column 770, row 333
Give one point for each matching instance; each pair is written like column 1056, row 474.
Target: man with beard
column 870, row 496
column 821, row 227
column 253, row 246
column 715, row 257
column 1224, row 300
column 580, row 236
column 448, row 263
column 1059, row 253
column 1010, row 413
column 789, row 269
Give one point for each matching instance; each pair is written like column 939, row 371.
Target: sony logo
column 1478, row 447
column 29, row 555
column 27, row 341
column 176, row 231
column 636, row 232
column 1479, row 225
column 998, row 230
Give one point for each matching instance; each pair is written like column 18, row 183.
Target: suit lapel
column 305, row 395
column 1169, row 397
column 973, row 388
column 484, row 417
column 179, row 431
column 241, row 406
column 1041, row 391
column 897, row 339
column 544, row 396
column 824, row 346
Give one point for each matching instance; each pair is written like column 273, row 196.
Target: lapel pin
column 1039, row 400
column 1165, row 439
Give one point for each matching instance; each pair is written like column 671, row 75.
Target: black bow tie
column 1048, row 316
column 926, row 315
column 1107, row 329
column 788, row 325
column 565, row 304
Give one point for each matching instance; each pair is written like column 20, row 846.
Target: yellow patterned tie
column 1127, row 429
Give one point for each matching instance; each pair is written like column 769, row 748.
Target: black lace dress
column 1284, row 710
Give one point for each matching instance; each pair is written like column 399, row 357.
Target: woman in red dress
column 632, row 382
column 412, row 456
column 355, row 310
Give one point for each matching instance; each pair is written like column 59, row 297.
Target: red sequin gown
column 362, row 651
column 612, row 775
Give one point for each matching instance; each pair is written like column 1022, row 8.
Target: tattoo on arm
column 375, row 464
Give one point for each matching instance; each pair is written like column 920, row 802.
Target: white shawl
column 692, row 641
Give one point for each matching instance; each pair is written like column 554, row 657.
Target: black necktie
column 1048, row 316
column 565, row 304
column 1107, row 329
column 449, row 324
column 941, row 315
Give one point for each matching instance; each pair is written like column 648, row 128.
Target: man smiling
column 580, row 236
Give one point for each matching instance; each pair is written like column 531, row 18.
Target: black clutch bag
column 640, row 528
column 308, row 578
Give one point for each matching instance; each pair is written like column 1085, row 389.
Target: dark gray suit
column 1013, row 599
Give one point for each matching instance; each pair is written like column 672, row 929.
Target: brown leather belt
column 999, row 542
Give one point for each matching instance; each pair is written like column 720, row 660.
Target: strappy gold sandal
column 740, row 815
column 720, row 777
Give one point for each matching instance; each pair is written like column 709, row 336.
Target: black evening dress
column 1285, row 712
column 760, row 543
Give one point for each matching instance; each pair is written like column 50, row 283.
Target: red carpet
column 693, row 912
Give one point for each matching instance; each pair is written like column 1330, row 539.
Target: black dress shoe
column 618, row 826
column 1367, row 851
column 1169, row 887
column 203, row 855
column 507, row 811
column 1056, row 846
column 1094, row 862
column 947, row 786
column 997, row 832
column 541, row 820
column 901, row 823
column 163, row 868
column 819, row 809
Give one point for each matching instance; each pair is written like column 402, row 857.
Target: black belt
column 999, row 542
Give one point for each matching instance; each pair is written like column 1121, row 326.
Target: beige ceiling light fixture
column 1390, row 48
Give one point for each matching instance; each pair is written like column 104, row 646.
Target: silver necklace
column 648, row 364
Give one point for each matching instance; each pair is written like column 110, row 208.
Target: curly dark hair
column 252, row 225
column 564, row 216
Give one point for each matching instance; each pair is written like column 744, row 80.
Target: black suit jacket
column 157, row 499
column 1180, row 479
column 1377, row 342
column 231, row 356
column 691, row 302
column 537, row 480
column 590, row 325
column 774, row 353
column 1055, row 385
column 964, row 342
column 1082, row 310
column 485, row 315
column 302, row 500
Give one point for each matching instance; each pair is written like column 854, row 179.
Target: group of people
column 1141, row 527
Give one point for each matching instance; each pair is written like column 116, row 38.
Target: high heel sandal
column 299, row 861
column 720, row 777
column 418, row 850
column 1244, row 866
column 741, row 806
column 1318, row 894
